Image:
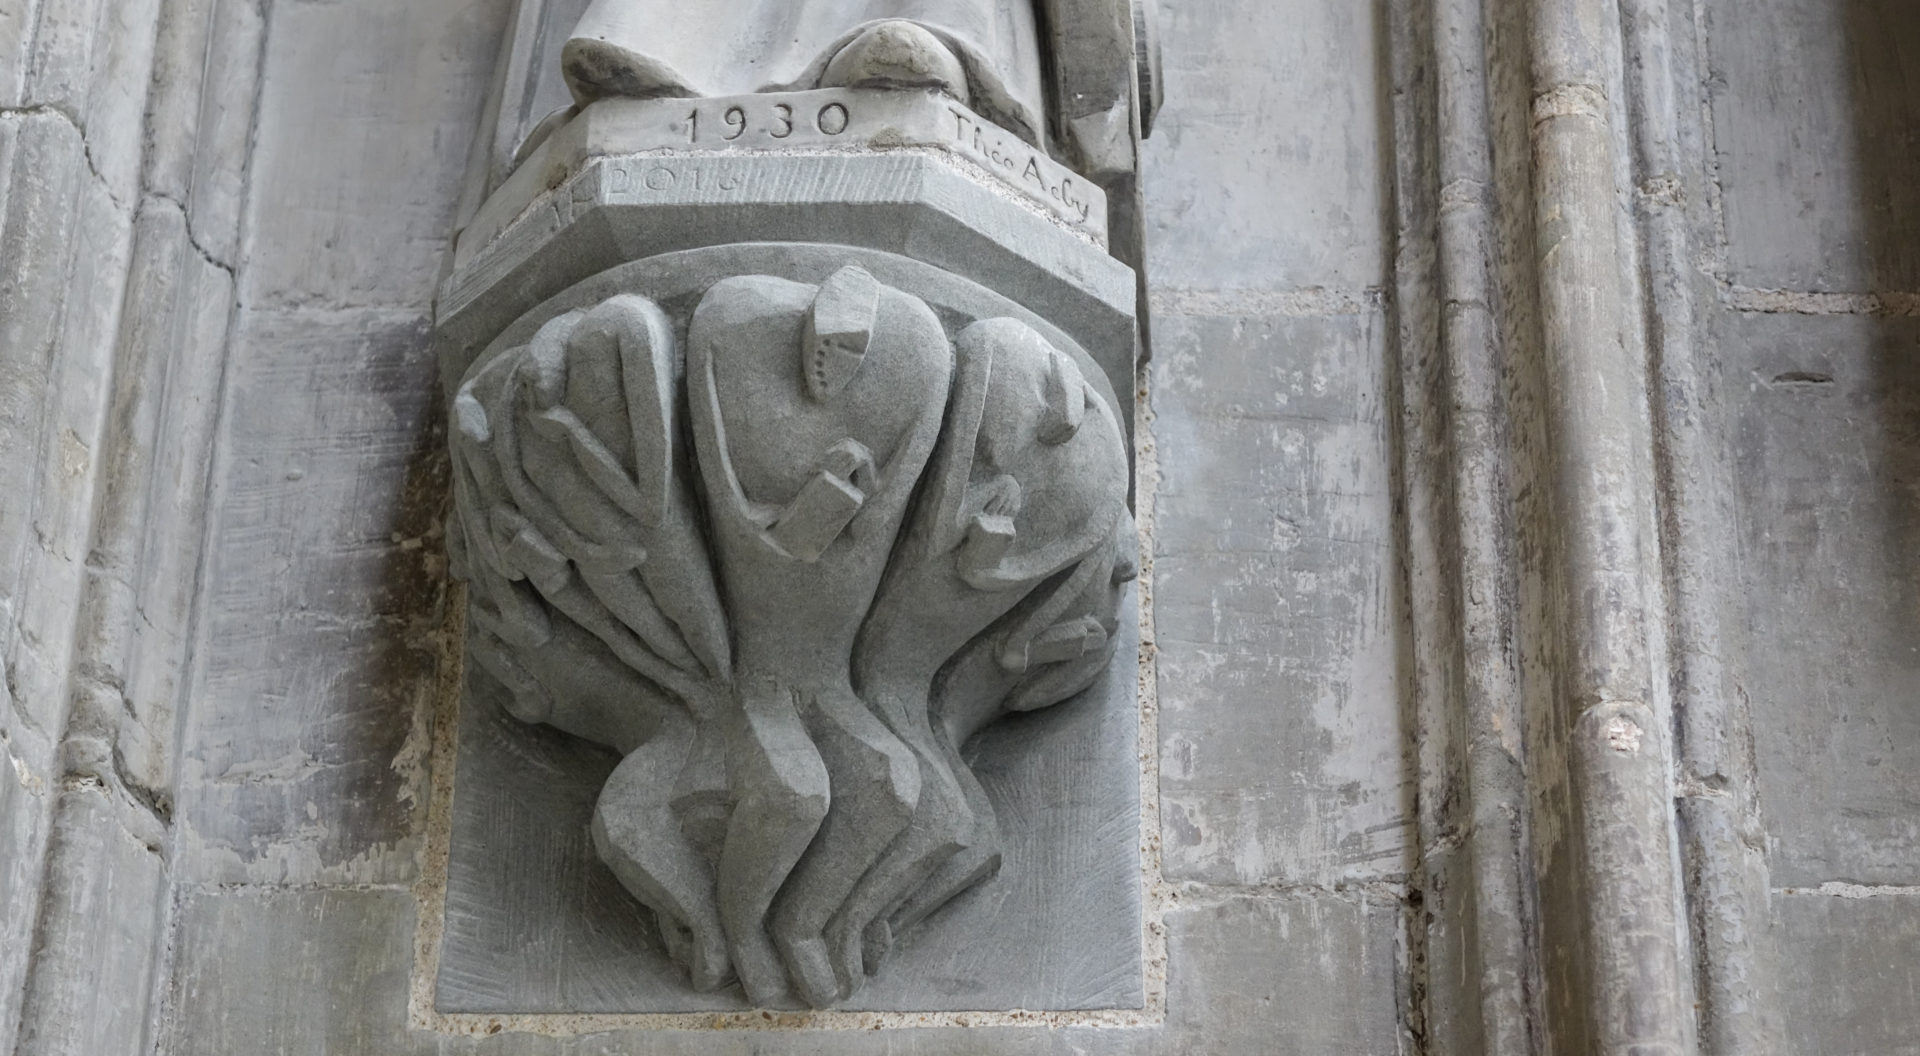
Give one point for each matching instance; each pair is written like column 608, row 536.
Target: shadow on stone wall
column 1883, row 41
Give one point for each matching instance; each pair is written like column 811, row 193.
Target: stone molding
column 1588, row 856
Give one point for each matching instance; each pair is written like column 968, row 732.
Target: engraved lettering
column 1019, row 164
column 659, row 178
column 784, row 114
column 833, row 119
column 737, row 120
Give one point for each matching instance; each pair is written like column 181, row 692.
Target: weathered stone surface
column 333, row 981
column 46, row 179
column 1313, row 972
column 1276, row 601
column 1252, row 975
column 1268, row 175
column 215, row 171
column 64, row 246
column 1813, row 115
column 25, row 802
column 306, row 757
column 91, row 61
column 363, row 221
column 1852, row 981
column 1825, row 414
column 97, row 949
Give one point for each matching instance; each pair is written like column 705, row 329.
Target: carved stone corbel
column 789, row 455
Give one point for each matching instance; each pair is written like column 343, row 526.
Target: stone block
column 25, row 805
column 152, row 516
column 72, row 309
column 91, row 60
column 1851, row 978
column 354, row 183
column 43, row 181
column 298, row 973
column 1309, row 973
column 1814, row 108
column 323, row 594
column 97, row 950
column 278, row 970
column 16, row 31
column 222, row 154
column 1268, row 171
column 1276, row 604
column 1825, row 415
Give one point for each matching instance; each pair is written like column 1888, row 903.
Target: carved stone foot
column 597, row 69
column 897, row 54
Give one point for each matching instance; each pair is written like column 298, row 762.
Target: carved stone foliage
column 787, row 550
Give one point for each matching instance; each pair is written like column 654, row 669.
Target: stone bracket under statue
column 792, row 462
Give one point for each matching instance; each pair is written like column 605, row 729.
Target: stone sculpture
column 983, row 53
column 787, row 554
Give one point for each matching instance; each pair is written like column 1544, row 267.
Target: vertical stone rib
column 1429, row 658
column 68, row 168
column 1722, row 842
column 1600, row 550
column 1503, row 914
column 98, row 952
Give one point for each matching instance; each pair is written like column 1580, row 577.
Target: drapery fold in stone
column 982, row 52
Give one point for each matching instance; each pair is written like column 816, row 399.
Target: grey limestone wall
column 1814, row 110
column 1395, row 773
column 1283, row 792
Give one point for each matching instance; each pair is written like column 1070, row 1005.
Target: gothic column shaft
column 1602, row 554
column 1539, row 299
column 1493, row 761
column 159, row 97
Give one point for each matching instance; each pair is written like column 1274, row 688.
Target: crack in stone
column 79, row 127
column 193, row 239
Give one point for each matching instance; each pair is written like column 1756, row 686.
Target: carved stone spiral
column 788, row 570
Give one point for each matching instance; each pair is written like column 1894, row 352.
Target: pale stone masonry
column 1526, row 471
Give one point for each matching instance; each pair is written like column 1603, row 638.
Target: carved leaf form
column 897, row 537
